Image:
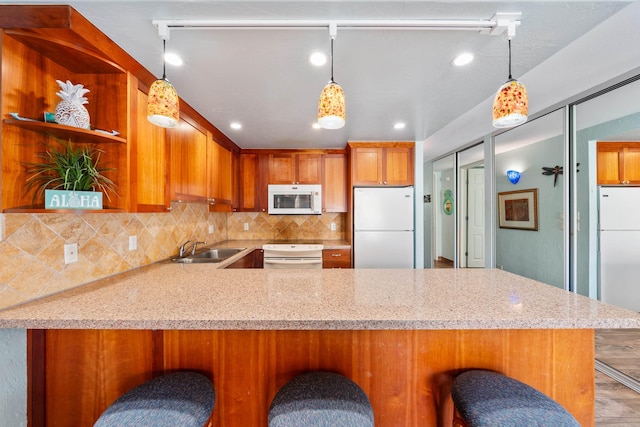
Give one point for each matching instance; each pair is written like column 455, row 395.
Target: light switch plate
column 70, row 253
column 212, row 229
column 133, row 243
column 246, row 226
column 333, row 226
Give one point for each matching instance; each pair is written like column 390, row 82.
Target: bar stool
column 320, row 399
column 489, row 399
column 183, row 399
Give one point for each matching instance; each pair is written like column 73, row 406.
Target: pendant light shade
column 331, row 107
column 163, row 105
column 510, row 107
column 332, row 110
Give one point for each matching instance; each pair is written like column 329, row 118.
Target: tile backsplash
column 261, row 226
column 31, row 245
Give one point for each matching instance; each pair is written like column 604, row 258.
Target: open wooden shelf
column 76, row 211
column 66, row 132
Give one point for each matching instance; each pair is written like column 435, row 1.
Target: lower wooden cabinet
column 254, row 259
column 77, row 374
column 336, row 258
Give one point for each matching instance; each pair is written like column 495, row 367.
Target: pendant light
column 163, row 105
column 331, row 106
column 510, row 107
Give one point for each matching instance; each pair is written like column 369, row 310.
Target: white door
column 475, row 218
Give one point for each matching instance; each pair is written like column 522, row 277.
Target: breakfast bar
column 393, row 332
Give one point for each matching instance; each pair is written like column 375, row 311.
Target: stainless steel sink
column 210, row 255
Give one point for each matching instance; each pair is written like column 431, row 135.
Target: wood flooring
column 616, row 404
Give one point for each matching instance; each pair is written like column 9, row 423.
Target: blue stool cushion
column 490, row 399
column 183, row 399
column 320, row 399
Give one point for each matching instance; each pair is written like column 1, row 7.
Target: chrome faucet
column 195, row 246
column 192, row 247
column 183, row 248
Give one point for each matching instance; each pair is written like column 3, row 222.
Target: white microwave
column 295, row 199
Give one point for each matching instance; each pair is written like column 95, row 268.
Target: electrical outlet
column 212, row 229
column 246, row 226
column 133, row 243
column 333, row 226
column 70, row 253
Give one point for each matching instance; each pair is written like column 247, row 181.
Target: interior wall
column 13, row 371
column 447, row 222
column 427, row 214
column 538, row 255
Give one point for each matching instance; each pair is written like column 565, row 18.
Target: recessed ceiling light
column 399, row 125
column 316, row 125
column 463, row 59
column 173, row 59
column 235, row 125
column 318, row 59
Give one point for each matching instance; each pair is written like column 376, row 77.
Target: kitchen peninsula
column 250, row 330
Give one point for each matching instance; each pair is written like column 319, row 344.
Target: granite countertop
column 200, row 296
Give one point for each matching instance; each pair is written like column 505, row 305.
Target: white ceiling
column 262, row 78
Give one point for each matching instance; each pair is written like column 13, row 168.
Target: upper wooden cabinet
column 334, row 183
column 188, row 145
column 220, row 173
column 253, row 182
column 381, row 164
column 258, row 168
column 618, row 163
column 295, row 168
column 150, row 165
column 149, row 162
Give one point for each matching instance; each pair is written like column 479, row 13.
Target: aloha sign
column 63, row 199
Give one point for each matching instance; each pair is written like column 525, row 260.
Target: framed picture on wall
column 518, row 209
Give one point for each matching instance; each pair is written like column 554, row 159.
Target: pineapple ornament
column 71, row 111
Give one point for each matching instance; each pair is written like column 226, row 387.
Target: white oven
column 295, row 199
column 285, row 255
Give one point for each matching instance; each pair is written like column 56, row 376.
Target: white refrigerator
column 619, row 225
column 383, row 227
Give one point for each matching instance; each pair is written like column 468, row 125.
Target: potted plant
column 69, row 177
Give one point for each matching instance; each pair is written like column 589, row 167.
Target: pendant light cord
column 510, row 78
column 164, row 63
column 332, row 60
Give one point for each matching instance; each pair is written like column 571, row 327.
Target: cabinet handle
column 170, row 208
column 384, row 182
column 336, row 254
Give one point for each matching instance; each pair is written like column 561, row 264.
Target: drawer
column 336, row 258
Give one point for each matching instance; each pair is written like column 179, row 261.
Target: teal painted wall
column 534, row 254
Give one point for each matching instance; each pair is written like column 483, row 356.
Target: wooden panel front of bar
column 87, row 369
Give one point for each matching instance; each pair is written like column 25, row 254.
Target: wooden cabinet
column 188, row 144
column 150, row 165
column 336, row 258
column 618, row 163
column 253, row 183
column 220, row 173
column 254, row 259
column 295, row 168
column 334, row 183
column 149, row 162
column 32, row 61
column 381, row 164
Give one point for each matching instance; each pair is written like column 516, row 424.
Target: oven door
column 283, row 263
